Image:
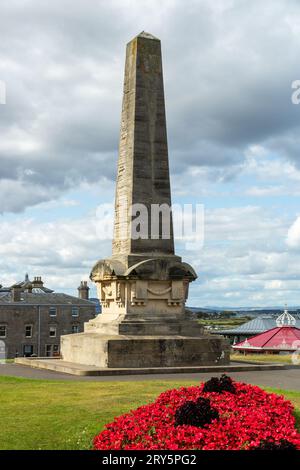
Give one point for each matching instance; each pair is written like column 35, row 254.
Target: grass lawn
column 223, row 323
column 40, row 414
column 286, row 359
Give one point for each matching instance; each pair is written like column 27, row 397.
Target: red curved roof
column 280, row 338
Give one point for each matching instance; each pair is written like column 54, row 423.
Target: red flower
column 246, row 418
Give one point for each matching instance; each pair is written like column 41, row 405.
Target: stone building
column 33, row 317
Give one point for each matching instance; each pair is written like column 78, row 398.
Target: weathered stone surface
column 143, row 351
column 143, row 277
column 143, row 169
column 143, row 287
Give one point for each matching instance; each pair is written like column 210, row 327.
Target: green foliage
column 220, row 322
column 279, row 358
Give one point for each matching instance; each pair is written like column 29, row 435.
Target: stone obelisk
column 143, row 286
column 143, row 169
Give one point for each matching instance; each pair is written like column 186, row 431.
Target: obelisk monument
column 143, row 286
column 143, row 169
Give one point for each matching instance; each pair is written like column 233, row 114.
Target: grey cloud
column 244, row 252
column 227, row 81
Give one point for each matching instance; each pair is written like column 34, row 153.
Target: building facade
column 33, row 318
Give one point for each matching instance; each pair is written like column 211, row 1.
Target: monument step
column 58, row 365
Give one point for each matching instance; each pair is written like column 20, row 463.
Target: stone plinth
column 143, row 351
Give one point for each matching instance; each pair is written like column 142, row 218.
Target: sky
column 233, row 133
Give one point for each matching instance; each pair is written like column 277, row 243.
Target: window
column 27, row 350
column 75, row 312
column 52, row 311
column 52, row 331
column 28, row 331
column 52, row 350
column 2, row 331
column 75, row 328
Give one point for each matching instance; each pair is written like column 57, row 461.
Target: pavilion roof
column 279, row 338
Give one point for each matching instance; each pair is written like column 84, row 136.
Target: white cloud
column 233, row 134
column 63, row 251
column 243, row 259
column 293, row 236
column 273, row 285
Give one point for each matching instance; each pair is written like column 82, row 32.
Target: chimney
column 16, row 293
column 37, row 282
column 83, row 290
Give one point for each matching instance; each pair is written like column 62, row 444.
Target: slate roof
column 27, row 283
column 39, row 295
column 255, row 326
column 53, row 298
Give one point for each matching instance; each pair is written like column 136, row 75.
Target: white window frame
column 77, row 310
column 31, row 331
column 52, row 314
column 5, row 329
column 53, row 328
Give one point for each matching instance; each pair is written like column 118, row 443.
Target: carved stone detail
column 139, row 293
column 120, row 294
column 159, row 293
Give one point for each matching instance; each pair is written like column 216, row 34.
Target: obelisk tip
column 146, row 35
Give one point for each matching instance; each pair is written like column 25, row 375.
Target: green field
column 223, row 323
column 40, row 414
column 286, row 358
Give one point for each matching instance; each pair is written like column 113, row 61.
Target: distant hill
column 237, row 309
column 241, row 311
column 245, row 311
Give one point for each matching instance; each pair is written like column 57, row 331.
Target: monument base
column 135, row 341
column 120, row 351
column 58, row 365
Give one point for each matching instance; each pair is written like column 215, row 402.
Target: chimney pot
column 83, row 290
column 16, row 293
column 37, row 282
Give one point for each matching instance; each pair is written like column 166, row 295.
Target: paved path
column 285, row 379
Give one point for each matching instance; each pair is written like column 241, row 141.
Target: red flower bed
column 245, row 419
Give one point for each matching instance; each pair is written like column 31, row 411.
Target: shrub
column 269, row 444
column 220, row 385
column 197, row 413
